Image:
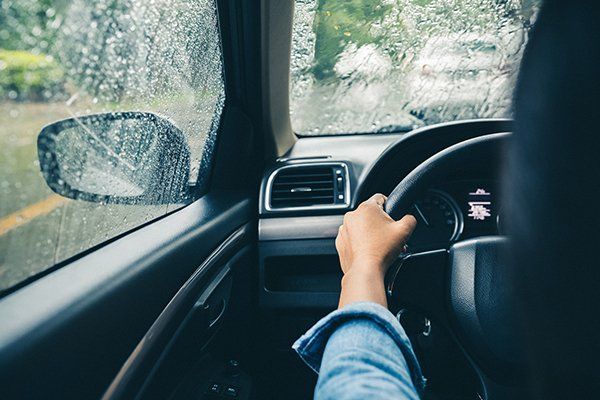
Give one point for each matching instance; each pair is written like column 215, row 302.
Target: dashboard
column 305, row 194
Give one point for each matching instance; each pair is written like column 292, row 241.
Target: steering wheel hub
column 483, row 305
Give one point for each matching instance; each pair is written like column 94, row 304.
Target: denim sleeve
column 361, row 352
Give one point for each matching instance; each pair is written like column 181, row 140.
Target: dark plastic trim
column 145, row 356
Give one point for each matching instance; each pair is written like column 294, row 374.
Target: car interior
column 498, row 290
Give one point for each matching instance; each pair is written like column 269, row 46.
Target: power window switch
column 214, row 388
column 230, row 391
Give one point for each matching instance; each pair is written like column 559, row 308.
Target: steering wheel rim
column 434, row 168
column 472, row 293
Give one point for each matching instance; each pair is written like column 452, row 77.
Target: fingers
column 406, row 226
column 378, row 199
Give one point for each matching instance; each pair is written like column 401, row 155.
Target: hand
column 367, row 243
column 370, row 239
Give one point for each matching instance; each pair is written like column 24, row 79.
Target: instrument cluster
column 455, row 211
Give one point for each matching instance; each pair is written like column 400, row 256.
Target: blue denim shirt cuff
column 311, row 345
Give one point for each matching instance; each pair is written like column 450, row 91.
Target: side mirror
column 122, row 157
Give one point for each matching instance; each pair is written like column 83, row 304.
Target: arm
column 367, row 243
column 361, row 351
column 368, row 357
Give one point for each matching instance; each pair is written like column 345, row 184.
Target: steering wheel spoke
column 417, row 281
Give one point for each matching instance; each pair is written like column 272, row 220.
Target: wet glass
column 72, row 58
column 130, row 158
column 377, row 66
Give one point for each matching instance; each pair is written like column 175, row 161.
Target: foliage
column 397, row 28
column 27, row 76
column 99, row 43
column 338, row 23
column 29, row 24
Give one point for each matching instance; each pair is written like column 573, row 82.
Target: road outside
column 37, row 227
column 69, row 58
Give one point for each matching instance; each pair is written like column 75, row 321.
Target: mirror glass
column 110, row 158
column 123, row 157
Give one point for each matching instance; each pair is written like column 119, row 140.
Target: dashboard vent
column 308, row 186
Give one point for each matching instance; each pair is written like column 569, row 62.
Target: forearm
column 367, row 353
column 363, row 284
column 362, row 361
column 361, row 352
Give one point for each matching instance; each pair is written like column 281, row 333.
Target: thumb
column 405, row 227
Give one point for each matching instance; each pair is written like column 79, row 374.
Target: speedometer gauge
column 439, row 221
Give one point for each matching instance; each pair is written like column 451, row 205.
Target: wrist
column 363, row 285
column 368, row 267
column 364, row 273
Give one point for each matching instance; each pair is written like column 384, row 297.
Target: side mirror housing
column 121, row 157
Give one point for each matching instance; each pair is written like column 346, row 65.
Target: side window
column 108, row 116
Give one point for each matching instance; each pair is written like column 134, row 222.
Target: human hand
column 367, row 243
column 370, row 238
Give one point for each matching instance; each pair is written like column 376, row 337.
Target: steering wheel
column 464, row 287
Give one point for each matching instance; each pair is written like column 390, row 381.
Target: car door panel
column 68, row 334
column 184, row 329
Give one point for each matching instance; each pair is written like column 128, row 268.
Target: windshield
column 375, row 66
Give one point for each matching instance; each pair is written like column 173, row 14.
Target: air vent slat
column 300, row 203
column 313, row 190
column 304, row 180
column 306, row 170
column 306, row 197
column 304, row 183
column 308, row 185
column 303, row 174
